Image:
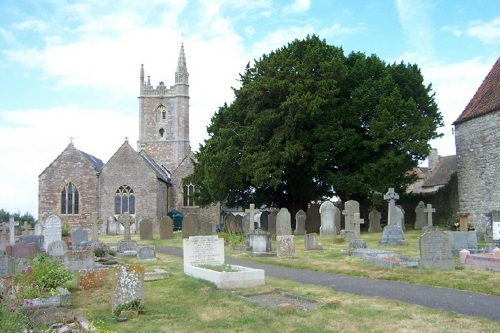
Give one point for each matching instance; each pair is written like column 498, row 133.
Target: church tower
column 164, row 117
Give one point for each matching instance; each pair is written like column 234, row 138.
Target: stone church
column 147, row 183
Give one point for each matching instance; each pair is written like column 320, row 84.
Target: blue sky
column 71, row 68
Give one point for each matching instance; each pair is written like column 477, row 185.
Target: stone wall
column 478, row 154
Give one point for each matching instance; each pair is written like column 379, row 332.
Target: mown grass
column 183, row 304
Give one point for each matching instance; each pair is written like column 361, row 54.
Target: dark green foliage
column 26, row 217
column 309, row 122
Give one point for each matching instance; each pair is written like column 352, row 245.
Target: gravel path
column 462, row 302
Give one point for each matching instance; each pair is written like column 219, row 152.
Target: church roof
column 161, row 173
column 430, row 181
column 98, row 164
column 487, row 97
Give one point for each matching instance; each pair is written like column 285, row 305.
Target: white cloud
column 487, row 32
column 32, row 24
column 298, row 6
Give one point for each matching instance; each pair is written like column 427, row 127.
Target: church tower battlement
column 164, row 117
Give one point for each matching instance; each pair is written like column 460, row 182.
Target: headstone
column 285, row 247
column 311, row 242
column 374, row 218
column 206, row 228
column 21, row 250
column 264, row 220
column 38, row 240
column 435, row 251
column 203, row 250
column 246, row 224
column 93, row 278
column 129, row 286
column 190, row 226
column 79, row 238
column 239, row 224
column 126, row 221
column 327, row 219
column 464, row 221
column 313, row 218
column 230, row 222
column 259, row 243
column 495, row 226
column 357, row 221
column 257, row 220
column 146, row 229
column 96, row 226
column 428, row 211
column 51, row 230
column 393, row 233
column 272, row 220
column 400, row 216
column 12, row 230
column 126, row 248
column 420, row 216
column 6, row 265
column 463, row 240
column 146, row 253
column 112, row 226
column 38, row 229
column 75, row 260
column 351, row 207
column 300, row 222
column 283, row 223
column 251, row 217
column 57, row 248
column 166, row 228
column 26, row 228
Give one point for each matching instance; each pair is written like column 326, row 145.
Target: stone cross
column 429, row 210
column 96, row 221
column 357, row 221
column 391, row 197
column 252, row 211
column 126, row 221
column 464, row 221
column 12, row 230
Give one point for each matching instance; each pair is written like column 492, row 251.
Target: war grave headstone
column 12, row 230
column 283, row 223
column 146, row 229
column 166, row 228
column 6, row 265
column 285, row 247
column 75, row 260
column 126, row 247
column 57, row 248
column 264, row 220
column 51, row 230
column 313, row 218
column 400, row 216
column 146, row 253
column 128, row 286
column 300, row 222
column 463, row 240
column 374, row 218
column 393, row 233
column 435, row 251
column 326, row 210
column 351, row 207
column 272, row 220
column 311, row 242
column 259, row 243
column 38, row 240
column 209, row 251
column 420, row 216
column 250, row 212
column 79, row 238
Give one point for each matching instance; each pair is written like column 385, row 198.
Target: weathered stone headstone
column 313, row 218
column 374, row 218
column 146, row 229
column 38, row 229
column 26, row 228
column 264, row 220
column 351, row 207
column 93, row 278
column 285, row 247
column 300, row 222
column 96, row 223
column 230, row 223
column 57, row 248
column 393, row 233
column 428, row 211
column 38, row 240
column 435, row 251
column 357, row 221
column 166, row 228
column 146, row 253
column 126, row 221
column 251, row 217
column 259, row 243
column 6, row 265
column 327, row 220
column 129, row 286
column 112, row 226
column 463, row 240
column 21, row 250
column 126, row 248
column 239, row 224
column 203, row 250
column 190, row 226
column 206, row 228
column 51, row 230
column 257, row 220
column 311, row 242
column 420, row 216
column 400, row 216
column 79, row 238
column 75, row 260
column 283, row 223
column 272, row 220
column 12, row 230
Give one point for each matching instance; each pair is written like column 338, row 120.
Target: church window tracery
column 70, row 199
column 188, row 196
column 124, row 200
column 162, row 113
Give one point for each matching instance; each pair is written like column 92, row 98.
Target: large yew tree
column 309, row 122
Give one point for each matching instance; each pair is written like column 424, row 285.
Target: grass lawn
column 183, row 304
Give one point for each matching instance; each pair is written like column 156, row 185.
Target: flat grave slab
column 274, row 299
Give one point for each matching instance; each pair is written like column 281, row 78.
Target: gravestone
column 96, row 223
column 300, row 222
column 251, row 217
column 428, row 211
column 351, row 207
column 93, row 278
column 464, row 221
column 79, row 238
column 146, row 253
column 272, row 220
column 112, row 226
column 283, row 223
column 420, row 216
column 3, row 237
column 393, row 233
column 128, row 286
column 21, row 250
column 38, row 230
column 75, row 260
column 400, row 217
column 126, row 221
column 285, row 247
column 206, row 228
column 357, row 221
column 57, row 248
column 374, row 218
column 259, row 243
column 326, row 211
column 38, row 240
column 12, row 230
column 246, row 224
column 126, row 248
column 239, row 224
column 311, row 242
column 257, row 220
column 463, row 240
column 264, row 220
column 203, row 250
column 6, row 266
column 146, row 229
column 230, row 222
column 166, row 228
column 51, row 230
column 495, row 226
column 190, row 226
column 435, row 251
column 26, row 229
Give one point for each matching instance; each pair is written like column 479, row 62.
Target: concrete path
column 462, row 302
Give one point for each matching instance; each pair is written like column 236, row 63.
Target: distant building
column 147, row 183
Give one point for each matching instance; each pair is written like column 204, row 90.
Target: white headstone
column 51, row 230
column 326, row 211
column 203, row 250
column 283, row 223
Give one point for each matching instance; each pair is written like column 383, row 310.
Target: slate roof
column 161, row 173
column 487, row 97
column 431, row 181
column 98, row 164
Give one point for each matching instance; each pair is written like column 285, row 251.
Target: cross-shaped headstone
column 96, row 221
column 429, row 210
column 126, row 221
column 252, row 211
column 391, row 197
column 357, row 221
column 12, row 230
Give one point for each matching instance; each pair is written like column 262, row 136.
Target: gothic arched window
column 124, row 200
column 162, row 113
column 189, row 195
column 70, row 199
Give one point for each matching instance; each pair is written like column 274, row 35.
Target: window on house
column 189, row 195
column 70, row 199
column 124, row 200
